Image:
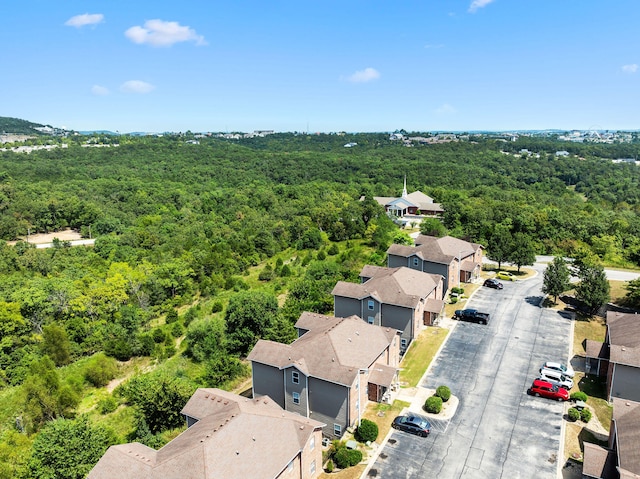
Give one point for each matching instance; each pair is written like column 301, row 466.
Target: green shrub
column 321, row 256
column 579, row 396
column 454, row 300
column 216, row 307
column 329, row 467
column 176, row 330
column 285, row 271
column 585, row 415
column 172, row 316
column 333, row 250
column 433, row 404
column 347, row 457
column 100, row 369
column 107, row 405
column 457, row 290
column 158, row 335
column 573, row 414
column 366, row 431
column 444, row 393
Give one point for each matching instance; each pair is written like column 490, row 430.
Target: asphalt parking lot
column 498, row 430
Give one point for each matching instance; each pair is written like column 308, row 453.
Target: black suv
column 493, row 283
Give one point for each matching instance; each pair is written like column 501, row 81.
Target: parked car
column 412, row 424
column 567, row 370
column 493, row 283
column 472, row 315
column 505, row 275
column 554, row 376
column 545, row 389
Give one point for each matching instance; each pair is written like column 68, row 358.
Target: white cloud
column 445, row 109
column 99, row 90
column 159, row 33
column 476, row 4
column 136, row 86
column 363, row 76
column 631, row 68
column 80, row 21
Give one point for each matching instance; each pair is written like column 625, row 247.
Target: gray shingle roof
column 333, row 351
column 233, row 435
column 624, row 338
column 398, row 286
column 627, row 418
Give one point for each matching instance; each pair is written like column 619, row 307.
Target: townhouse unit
column 399, row 298
column 618, row 357
column 330, row 372
column 620, row 459
column 228, row 436
column 456, row 260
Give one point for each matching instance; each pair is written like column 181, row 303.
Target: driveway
column 498, row 430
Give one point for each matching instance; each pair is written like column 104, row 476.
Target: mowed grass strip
column 420, row 354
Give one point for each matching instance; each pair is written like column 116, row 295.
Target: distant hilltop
column 12, row 129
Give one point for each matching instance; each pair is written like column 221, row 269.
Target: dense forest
column 204, row 246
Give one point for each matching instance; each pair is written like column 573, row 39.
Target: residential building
column 330, row 372
column 229, row 436
column 456, row 260
column 399, row 298
column 618, row 357
column 620, row 459
column 410, row 207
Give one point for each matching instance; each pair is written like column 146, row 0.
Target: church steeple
column 404, row 189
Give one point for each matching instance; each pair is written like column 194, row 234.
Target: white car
column 556, row 377
column 566, row 370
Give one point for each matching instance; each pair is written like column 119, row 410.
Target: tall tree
column 249, row 316
column 593, row 289
column 556, row 278
column 500, row 245
column 523, row 251
column 68, row 449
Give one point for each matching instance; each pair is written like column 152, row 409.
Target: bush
column 573, row 414
column 333, row 250
column 457, row 290
column 444, row 393
column 329, row 467
column 321, row 256
column 107, row 405
column 454, row 300
column 347, row 457
column 366, row 431
column 172, row 316
column 433, row 404
column 100, row 370
column 176, row 330
column 585, row 415
column 158, row 335
column 216, row 307
column 579, row 396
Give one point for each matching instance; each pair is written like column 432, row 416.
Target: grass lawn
column 420, row 354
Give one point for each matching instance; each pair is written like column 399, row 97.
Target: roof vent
column 301, row 427
column 254, row 438
column 333, row 360
column 349, row 339
column 357, row 333
column 623, row 348
column 237, row 453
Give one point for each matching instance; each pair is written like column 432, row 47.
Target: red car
column 548, row 390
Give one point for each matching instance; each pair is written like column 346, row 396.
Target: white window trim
column 295, row 377
column 296, row 397
column 371, row 305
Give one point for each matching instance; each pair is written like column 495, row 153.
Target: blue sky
column 321, row 65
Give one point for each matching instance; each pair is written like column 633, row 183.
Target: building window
column 370, row 304
column 415, row 261
column 290, row 466
column 371, row 320
column 296, row 398
column 295, row 377
column 337, row 430
column 312, row 468
column 403, row 343
column 312, row 443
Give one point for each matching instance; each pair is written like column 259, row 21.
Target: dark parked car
column 472, row 315
column 412, row 424
column 493, row 283
column 549, row 390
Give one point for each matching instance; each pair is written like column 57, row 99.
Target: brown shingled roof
column 626, row 414
column 333, row 352
column 234, row 434
column 624, row 338
column 598, row 462
column 398, row 286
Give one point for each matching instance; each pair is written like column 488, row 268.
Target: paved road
column 83, row 242
column 498, row 431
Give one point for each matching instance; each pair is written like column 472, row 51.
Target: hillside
column 18, row 126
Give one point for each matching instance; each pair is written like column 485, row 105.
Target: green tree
column 56, row 344
column 46, row 396
column 593, row 289
column 523, row 252
column 500, row 245
column 556, row 278
column 205, row 339
column 68, row 449
column 158, row 398
column 432, row 227
column 633, row 291
column 249, row 316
